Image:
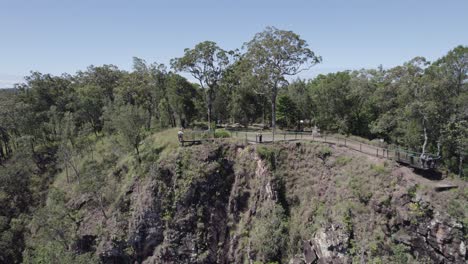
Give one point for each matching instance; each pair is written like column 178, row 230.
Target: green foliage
column 129, row 122
column 343, row 160
column 324, row 153
column 17, row 195
column 400, row 254
column 269, row 233
column 53, row 252
column 269, row 154
column 360, row 189
column 55, row 225
column 379, row 168
column 287, row 112
column 221, row 133
column 274, row 54
column 206, row 62
column 412, row 191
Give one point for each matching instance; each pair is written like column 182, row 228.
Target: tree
column 287, row 112
column 300, row 95
column 181, row 95
column 330, row 97
column 268, row 236
column 206, row 63
column 276, row 54
column 455, row 138
column 245, row 106
column 145, row 87
column 129, row 122
column 106, row 77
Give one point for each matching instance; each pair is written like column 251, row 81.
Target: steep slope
column 226, row 202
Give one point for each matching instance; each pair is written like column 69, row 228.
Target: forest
column 48, row 122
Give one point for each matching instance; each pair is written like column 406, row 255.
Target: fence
column 403, row 156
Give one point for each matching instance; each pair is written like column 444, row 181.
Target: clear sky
column 56, row 36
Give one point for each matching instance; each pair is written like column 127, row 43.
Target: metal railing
column 393, row 153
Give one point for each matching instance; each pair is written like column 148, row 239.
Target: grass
column 165, row 139
column 343, row 160
column 111, row 157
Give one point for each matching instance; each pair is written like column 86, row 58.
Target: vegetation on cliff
column 90, row 169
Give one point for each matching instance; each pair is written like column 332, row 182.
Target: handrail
column 389, row 152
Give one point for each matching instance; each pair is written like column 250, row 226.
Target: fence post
column 301, row 135
column 345, row 142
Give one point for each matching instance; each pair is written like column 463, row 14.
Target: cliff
column 227, row 202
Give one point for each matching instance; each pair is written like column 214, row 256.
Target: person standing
column 180, row 134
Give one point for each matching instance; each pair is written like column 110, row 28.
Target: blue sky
column 67, row 36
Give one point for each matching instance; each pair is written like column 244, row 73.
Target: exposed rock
column 330, row 244
column 309, row 252
column 199, row 206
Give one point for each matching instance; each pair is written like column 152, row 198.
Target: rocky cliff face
column 290, row 203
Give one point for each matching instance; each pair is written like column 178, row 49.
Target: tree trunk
column 101, row 205
column 138, row 153
column 150, row 118
column 273, row 112
column 423, row 152
column 210, row 106
column 460, row 166
column 66, row 172
column 423, row 157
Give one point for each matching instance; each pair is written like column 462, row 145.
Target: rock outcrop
column 203, row 204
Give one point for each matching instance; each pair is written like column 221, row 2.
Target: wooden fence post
column 345, row 142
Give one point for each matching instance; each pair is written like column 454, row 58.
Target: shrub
column 400, row 253
column 379, row 168
column 360, row 189
column 324, row 153
column 269, row 233
column 221, row 133
column 199, row 125
column 268, row 154
column 412, row 191
column 343, row 160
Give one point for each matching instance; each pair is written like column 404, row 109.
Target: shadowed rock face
column 202, row 205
